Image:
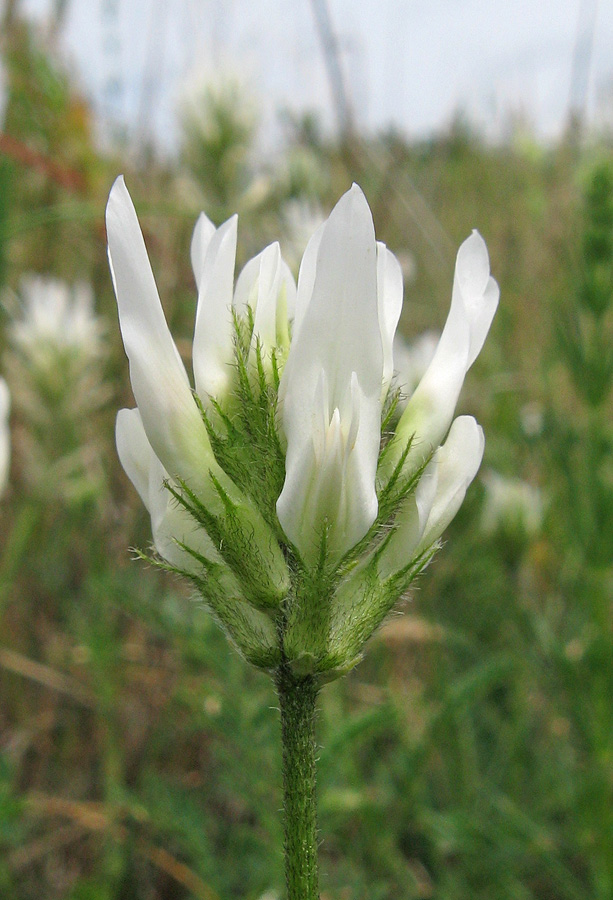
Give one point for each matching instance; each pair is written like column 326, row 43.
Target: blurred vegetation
column 471, row 754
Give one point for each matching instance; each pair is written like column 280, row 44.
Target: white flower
column 277, row 470
column 511, row 506
column 56, row 320
column 5, row 438
column 54, row 364
column 266, row 285
column 171, row 524
column 209, row 99
column 174, row 529
column 339, row 369
column 532, row 419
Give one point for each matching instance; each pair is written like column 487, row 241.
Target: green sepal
column 263, row 579
column 307, row 612
column 253, row 633
column 361, row 604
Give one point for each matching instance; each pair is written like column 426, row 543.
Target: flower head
column 275, row 485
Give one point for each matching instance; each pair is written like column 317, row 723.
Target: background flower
column 55, row 361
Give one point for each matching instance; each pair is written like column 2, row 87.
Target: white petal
column 201, row 238
column 306, row 277
column 170, row 416
column 134, row 451
column 474, row 300
column 286, row 305
column 170, row 523
column 257, row 286
column 458, row 462
column 339, row 334
column 213, row 352
column 161, row 388
column 257, row 279
column 389, row 296
column 480, row 293
column 437, row 498
column 266, row 285
column 410, row 523
column 329, row 482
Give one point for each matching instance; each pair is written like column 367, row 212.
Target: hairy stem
column 297, row 697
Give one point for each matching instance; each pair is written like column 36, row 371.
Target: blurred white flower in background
column 532, row 419
column 206, row 92
column 55, row 320
column 512, row 506
column 5, row 439
column 54, row 366
column 219, row 118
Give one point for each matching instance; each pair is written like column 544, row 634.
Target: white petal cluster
column 173, row 429
column 331, row 386
column 326, row 348
column 338, row 373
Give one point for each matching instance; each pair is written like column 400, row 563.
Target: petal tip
column 118, row 187
column 473, row 264
column 475, row 243
column 119, row 203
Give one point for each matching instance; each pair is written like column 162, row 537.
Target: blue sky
column 407, row 63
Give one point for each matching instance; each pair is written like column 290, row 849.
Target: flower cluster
column 286, row 484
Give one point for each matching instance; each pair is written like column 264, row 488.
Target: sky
column 407, row 64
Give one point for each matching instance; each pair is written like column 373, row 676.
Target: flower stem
column 297, row 698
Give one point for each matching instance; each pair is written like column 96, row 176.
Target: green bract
column 285, row 485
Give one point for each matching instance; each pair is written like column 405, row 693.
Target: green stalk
column 297, row 698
